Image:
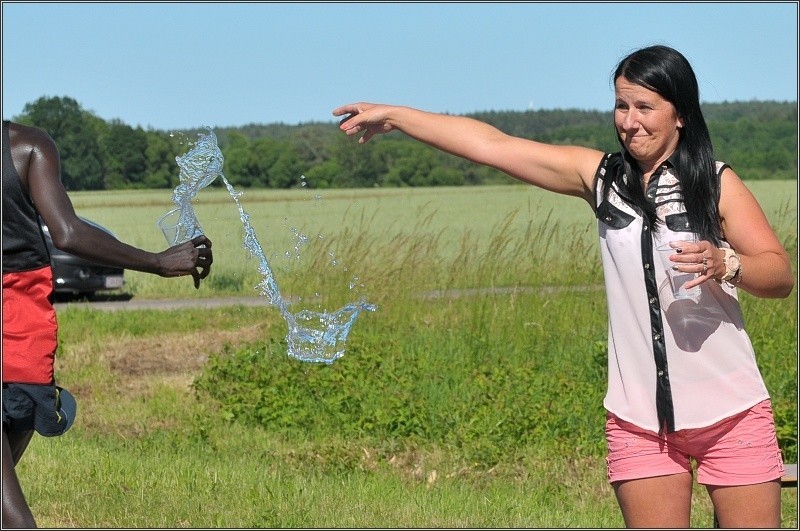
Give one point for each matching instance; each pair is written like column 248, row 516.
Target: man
column 31, row 400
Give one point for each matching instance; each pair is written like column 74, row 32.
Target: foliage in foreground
column 461, row 377
column 487, row 376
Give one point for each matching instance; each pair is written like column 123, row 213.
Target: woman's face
column 647, row 123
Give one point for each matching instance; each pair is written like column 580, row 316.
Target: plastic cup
column 179, row 226
column 677, row 278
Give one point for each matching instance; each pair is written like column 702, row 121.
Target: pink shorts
column 740, row 450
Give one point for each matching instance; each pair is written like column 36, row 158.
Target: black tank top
column 24, row 248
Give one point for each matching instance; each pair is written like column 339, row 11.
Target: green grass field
column 364, row 226
column 478, row 410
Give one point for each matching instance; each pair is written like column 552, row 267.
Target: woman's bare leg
column 663, row 501
column 748, row 506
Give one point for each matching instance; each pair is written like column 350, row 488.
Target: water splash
column 317, row 337
column 198, row 168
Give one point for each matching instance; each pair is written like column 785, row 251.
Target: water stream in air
column 312, row 336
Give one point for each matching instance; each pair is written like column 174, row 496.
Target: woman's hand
column 368, row 118
column 700, row 257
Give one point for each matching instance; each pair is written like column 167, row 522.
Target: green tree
column 75, row 136
column 287, row 169
column 324, row 175
column 125, row 150
column 758, row 139
column 240, row 167
column 162, row 169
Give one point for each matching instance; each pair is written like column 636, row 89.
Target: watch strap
column 738, row 276
column 730, row 272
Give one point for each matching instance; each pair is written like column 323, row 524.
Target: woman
column 683, row 380
column 31, row 401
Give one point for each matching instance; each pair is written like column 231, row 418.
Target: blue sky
column 184, row 65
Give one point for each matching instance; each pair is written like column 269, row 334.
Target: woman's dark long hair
column 667, row 72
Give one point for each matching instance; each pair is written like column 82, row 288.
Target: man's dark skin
column 38, row 164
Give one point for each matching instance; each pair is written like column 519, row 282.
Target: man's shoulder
column 20, row 134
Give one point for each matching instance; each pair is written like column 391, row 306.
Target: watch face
column 733, row 262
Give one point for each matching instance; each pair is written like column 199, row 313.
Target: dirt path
column 111, row 304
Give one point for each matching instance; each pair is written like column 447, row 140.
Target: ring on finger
column 705, row 266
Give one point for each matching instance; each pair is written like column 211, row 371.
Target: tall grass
column 355, row 227
column 471, row 398
column 365, row 226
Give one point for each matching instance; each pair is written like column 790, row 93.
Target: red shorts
column 740, row 450
column 30, row 327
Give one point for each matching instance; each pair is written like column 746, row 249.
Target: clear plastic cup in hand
column 677, row 279
column 179, row 225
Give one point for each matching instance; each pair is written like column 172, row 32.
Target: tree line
column 758, row 138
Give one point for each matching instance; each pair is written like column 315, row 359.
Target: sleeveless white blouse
column 672, row 364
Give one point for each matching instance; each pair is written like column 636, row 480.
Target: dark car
column 76, row 277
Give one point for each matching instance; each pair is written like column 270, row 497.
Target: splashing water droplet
column 318, row 337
